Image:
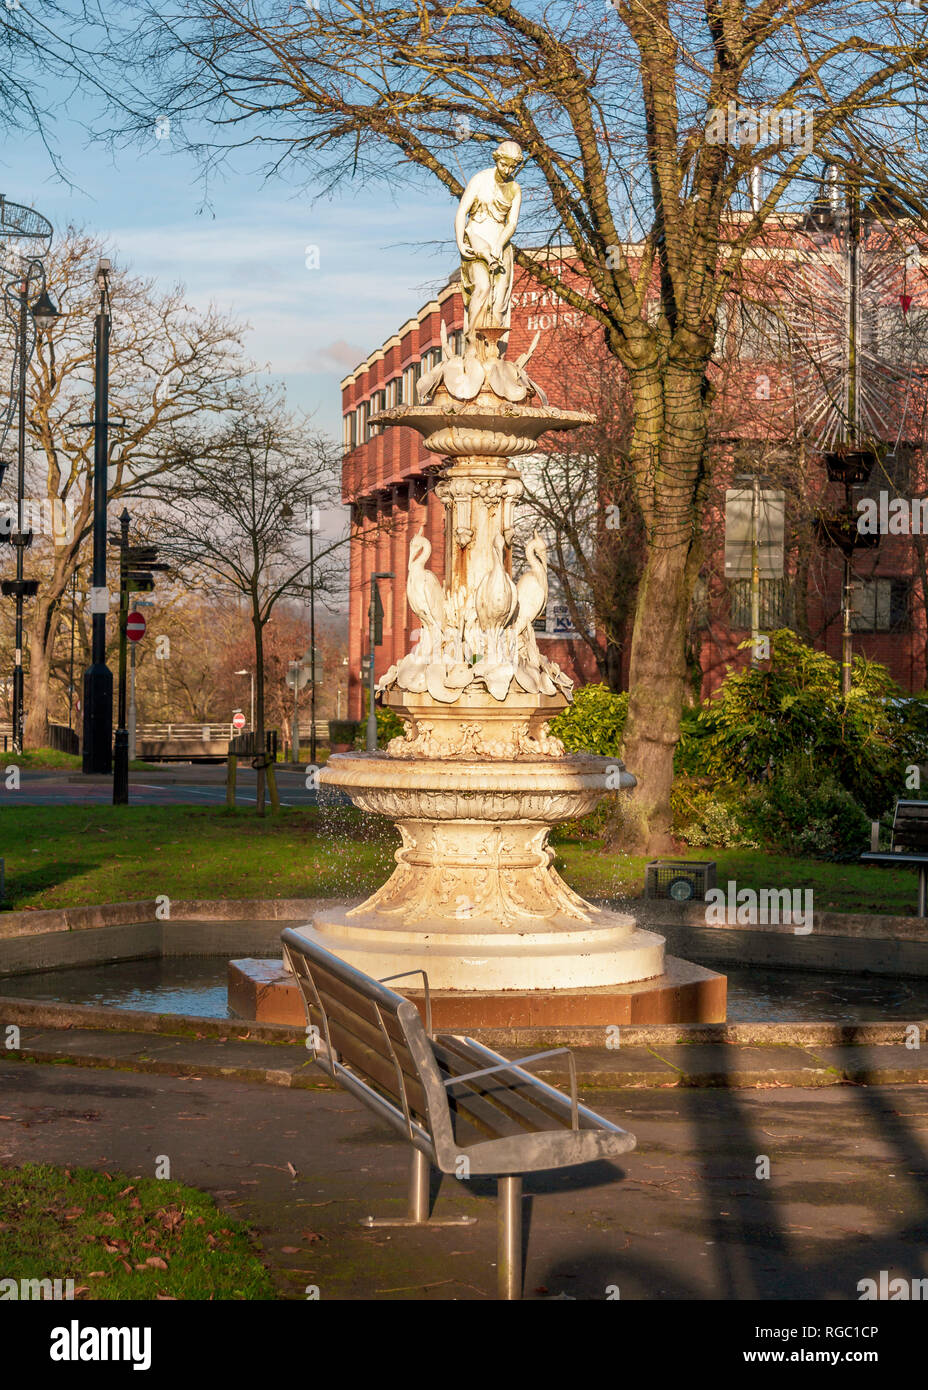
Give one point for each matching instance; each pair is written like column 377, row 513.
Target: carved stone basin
column 474, row 899
column 484, row 426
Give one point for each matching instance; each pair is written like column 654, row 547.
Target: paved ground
column 172, row 785
column 684, row 1216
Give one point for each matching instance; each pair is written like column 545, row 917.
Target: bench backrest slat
column 366, row 1032
column 375, row 1034
column 910, row 826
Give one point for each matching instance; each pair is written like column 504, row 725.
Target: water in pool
column 197, row 985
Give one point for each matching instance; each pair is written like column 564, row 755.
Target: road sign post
column 135, row 631
column 136, row 566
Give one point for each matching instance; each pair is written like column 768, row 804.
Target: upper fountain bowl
column 486, row 427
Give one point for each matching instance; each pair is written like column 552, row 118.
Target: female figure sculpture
column 484, row 226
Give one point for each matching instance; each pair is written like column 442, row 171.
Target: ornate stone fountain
column 477, row 780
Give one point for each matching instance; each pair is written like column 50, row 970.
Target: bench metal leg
column 418, row 1201
column 922, row 883
column 509, row 1237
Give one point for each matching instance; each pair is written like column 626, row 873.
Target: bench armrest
column 523, row 1062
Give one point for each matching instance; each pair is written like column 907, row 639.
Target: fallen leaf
column 157, row 1262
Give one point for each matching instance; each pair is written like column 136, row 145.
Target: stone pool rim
column 25, row 921
column 107, row 1018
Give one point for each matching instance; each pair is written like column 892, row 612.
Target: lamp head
column 44, row 312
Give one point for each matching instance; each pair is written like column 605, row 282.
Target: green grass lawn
column 121, row 1237
column 65, row 856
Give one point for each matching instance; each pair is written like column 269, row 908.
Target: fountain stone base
column 686, row 993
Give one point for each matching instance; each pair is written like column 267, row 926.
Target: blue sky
column 379, row 259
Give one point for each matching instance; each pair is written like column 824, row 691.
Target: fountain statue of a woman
column 484, row 226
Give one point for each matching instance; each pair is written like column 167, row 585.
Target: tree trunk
column 42, row 632
column 41, row 640
column 259, row 708
column 657, row 682
column 612, row 667
column 668, row 456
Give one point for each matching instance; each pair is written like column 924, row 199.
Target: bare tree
column 168, row 365
column 581, row 498
column 236, row 518
column 663, row 107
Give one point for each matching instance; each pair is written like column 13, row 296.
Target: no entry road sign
column 238, row 720
column 135, row 627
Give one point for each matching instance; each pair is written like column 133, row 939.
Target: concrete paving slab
column 625, row 1066
column 284, row 1065
column 879, row 1064
column 701, row 1064
column 289, row 1064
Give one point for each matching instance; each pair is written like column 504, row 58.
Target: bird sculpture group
column 491, row 642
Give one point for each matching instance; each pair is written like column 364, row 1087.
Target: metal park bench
column 909, row 845
column 464, row 1109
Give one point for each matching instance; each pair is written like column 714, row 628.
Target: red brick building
column 388, row 480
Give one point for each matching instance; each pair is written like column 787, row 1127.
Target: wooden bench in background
column 463, row 1108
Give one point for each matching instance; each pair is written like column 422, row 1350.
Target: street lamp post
column 833, row 215
column 43, row 314
column 98, row 678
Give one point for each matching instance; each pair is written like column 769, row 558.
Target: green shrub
column 389, row 725
column 760, row 719
column 807, row 813
column 594, row 722
column 709, row 817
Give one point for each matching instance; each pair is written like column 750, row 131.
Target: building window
column 881, row 605
column 762, row 334
column 351, row 430
column 774, row 604
column 364, row 411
